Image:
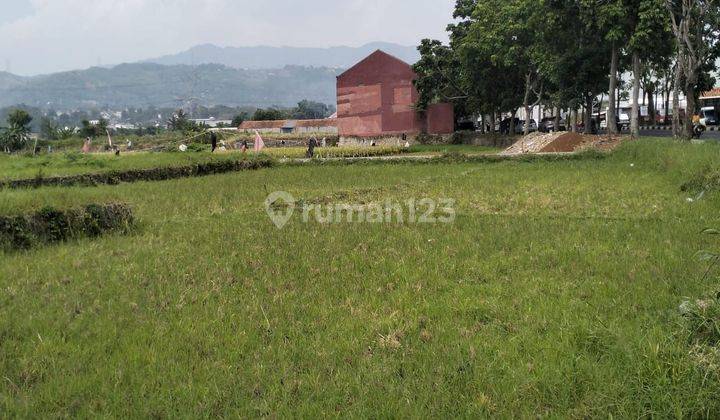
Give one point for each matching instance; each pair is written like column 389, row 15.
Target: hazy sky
column 42, row 36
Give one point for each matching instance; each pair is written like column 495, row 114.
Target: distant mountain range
column 205, row 75
column 278, row 57
column 145, row 84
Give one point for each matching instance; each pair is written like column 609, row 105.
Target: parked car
column 548, row 124
column 622, row 120
column 520, row 129
column 504, row 127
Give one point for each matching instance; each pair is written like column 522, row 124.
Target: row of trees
column 305, row 110
column 565, row 54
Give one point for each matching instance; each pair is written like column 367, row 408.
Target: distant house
column 377, row 97
column 328, row 126
column 710, row 98
column 211, row 122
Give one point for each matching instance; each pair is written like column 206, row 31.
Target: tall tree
column 575, row 54
column 611, row 17
column 649, row 44
column 695, row 24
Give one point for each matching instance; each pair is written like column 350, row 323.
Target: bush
column 707, row 179
column 703, row 320
column 137, row 175
column 50, row 225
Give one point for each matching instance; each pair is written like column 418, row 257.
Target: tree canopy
column 564, row 54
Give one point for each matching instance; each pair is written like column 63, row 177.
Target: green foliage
column 49, row 129
column 270, row 114
column 50, row 225
column 19, row 118
column 439, row 76
column 115, row 177
column 16, row 135
column 94, row 130
column 703, row 319
column 309, row 110
column 239, row 119
column 705, row 180
column 180, row 122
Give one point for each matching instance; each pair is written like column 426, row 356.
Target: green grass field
column 555, row 293
column 73, row 163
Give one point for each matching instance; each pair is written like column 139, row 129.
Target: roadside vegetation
column 569, row 57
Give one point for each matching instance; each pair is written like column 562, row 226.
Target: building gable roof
column 378, row 55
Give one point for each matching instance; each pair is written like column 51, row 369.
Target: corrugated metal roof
column 711, row 94
column 287, row 124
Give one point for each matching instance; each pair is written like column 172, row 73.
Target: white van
column 707, row 116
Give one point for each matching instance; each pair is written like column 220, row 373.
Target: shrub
column 707, row 179
column 137, row 175
column 50, row 225
column 703, row 320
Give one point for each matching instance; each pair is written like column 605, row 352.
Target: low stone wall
column 460, row 137
column 480, row 139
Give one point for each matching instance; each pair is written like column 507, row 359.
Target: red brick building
column 376, row 98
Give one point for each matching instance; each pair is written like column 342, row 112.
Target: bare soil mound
column 564, row 142
column 545, row 143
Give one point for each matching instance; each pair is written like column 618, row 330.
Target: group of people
column 87, row 146
column 312, row 144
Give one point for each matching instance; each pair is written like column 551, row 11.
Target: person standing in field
column 86, row 145
column 213, row 141
column 312, row 144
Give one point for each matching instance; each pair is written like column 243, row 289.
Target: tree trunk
column 611, row 112
column 677, row 131
column 666, row 99
column 651, row 103
column 588, row 114
column 689, row 109
column 512, row 123
column 556, row 124
column 635, row 116
column 492, row 122
column 526, row 102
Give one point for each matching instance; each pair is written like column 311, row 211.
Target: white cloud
column 69, row 34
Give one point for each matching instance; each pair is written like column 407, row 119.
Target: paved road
column 709, row 135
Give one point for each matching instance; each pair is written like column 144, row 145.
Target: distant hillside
column 143, row 85
column 278, row 57
column 10, row 80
